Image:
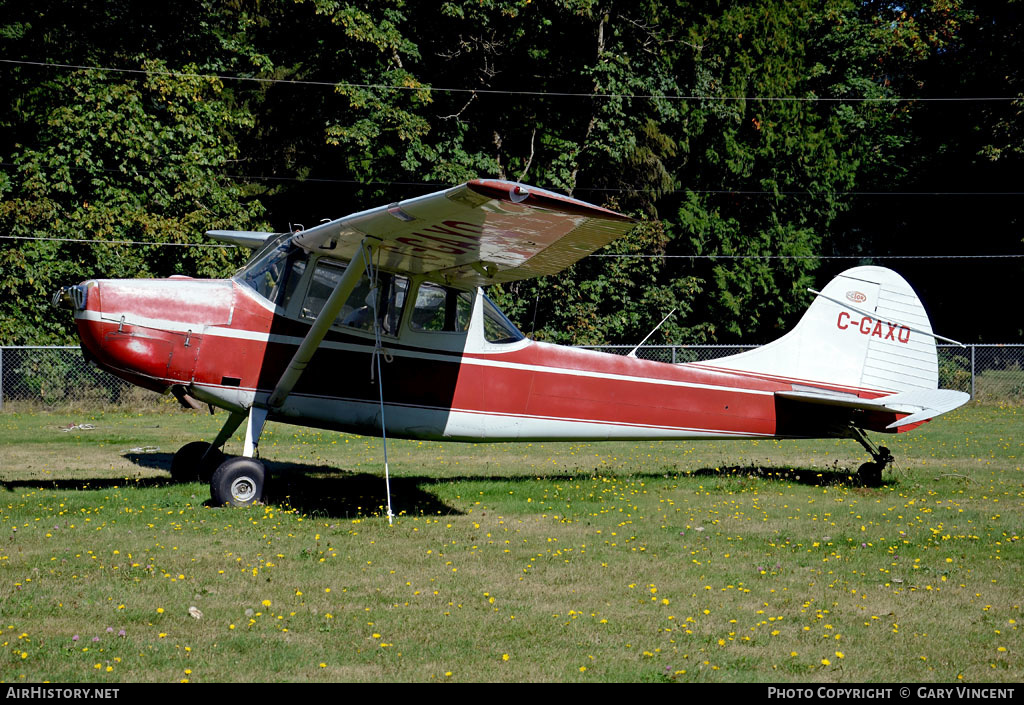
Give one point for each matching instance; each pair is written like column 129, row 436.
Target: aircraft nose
column 147, row 331
column 73, row 297
column 111, row 336
column 84, row 300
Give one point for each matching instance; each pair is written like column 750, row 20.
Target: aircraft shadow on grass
column 814, row 476
column 334, row 492
column 339, row 493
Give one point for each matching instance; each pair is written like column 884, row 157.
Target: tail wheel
column 870, row 474
column 238, row 482
column 189, row 465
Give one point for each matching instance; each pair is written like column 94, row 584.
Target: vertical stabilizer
column 866, row 331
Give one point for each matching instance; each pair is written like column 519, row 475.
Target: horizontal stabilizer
column 920, row 404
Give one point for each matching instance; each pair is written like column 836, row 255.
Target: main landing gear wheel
column 193, row 463
column 238, row 482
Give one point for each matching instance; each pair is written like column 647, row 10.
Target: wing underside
column 476, row 234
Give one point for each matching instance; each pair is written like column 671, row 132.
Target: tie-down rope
column 378, row 352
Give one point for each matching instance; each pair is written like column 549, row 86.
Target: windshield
column 267, row 271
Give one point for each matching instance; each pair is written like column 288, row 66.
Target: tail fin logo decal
column 856, row 297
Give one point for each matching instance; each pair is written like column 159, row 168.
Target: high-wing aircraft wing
column 482, row 232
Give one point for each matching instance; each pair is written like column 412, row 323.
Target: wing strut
column 353, row 273
column 307, row 348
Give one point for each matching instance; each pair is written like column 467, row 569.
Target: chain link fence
column 49, row 377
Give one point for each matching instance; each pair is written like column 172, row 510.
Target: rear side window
column 497, row 328
column 441, row 309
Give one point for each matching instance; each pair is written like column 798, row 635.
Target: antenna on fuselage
column 632, row 353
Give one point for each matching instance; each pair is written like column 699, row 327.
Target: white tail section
column 867, row 330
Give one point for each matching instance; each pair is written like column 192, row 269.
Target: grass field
column 723, row 561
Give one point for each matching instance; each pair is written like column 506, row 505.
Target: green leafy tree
column 773, row 150
column 99, row 155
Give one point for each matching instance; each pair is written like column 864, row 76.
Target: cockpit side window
column 359, row 307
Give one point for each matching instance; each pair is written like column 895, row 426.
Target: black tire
column 188, row 464
column 238, row 482
column 209, row 466
column 870, row 474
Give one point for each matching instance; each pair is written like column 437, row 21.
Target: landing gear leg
column 870, row 474
column 198, row 460
column 253, row 429
column 230, row 426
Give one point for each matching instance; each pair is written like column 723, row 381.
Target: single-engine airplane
column 376, row 322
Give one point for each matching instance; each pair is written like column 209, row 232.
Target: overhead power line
column 625, row 256
column 493, row 91
column 593, row 189
column 789, row 257
column 118, row 242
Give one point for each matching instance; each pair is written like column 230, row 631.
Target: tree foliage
column 745, row 135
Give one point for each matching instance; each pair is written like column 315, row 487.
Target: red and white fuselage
column 226, row 345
